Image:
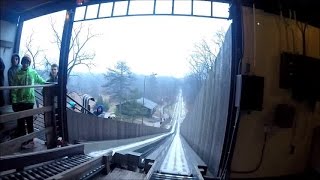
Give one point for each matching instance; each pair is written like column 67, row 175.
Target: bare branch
column 57, row 38
column 79, row 40
column 33, row 52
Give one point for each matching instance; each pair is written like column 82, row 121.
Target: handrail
column 21, row 114
column 13, row 145
column 37, row 92
column 28, row 86
column 78, row 104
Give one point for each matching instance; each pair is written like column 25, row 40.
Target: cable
column 231, row 141
column 260, row 160
column 233, row 127
column 302, row 27
column 254, row 39
column 319, row 42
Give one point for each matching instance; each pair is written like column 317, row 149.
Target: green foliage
column 134, row 94
column 102, row 102
column 132, row 109
column 118, row 81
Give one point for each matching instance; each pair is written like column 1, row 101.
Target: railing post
column 49, row 117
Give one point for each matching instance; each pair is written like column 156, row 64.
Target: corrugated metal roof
column 147, row 103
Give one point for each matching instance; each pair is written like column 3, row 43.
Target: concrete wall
column 85, row 127
column 204, row 126
column 270, row 42
column 7, row 33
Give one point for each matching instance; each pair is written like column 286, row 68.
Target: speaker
column 249, row 92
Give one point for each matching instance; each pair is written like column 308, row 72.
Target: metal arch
column 146, row 14
column 66, row 37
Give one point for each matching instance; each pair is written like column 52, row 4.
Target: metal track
column 156, row 176
column 49, row 169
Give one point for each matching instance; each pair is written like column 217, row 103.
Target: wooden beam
column 49, row 117
column 22, row 160
column 6, row 44
column 21, row 114
column 14, row 145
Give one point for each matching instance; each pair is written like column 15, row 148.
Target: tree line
column 201, row 63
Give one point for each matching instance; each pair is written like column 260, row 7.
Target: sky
column 149, row 44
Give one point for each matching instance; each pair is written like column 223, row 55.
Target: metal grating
column 49, row 169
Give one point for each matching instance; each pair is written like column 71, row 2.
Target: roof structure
column 147, row 103
column 10, row 10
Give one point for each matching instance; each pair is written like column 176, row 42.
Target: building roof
column 147, row 103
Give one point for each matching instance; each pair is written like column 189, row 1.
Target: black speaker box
column 249, row 92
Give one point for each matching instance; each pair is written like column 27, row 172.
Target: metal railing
column 79, row 107
column 44, row 126
column 38, row 120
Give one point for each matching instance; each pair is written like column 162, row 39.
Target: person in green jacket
column 23, row 99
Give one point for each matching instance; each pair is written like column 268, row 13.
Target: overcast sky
column 149, row 44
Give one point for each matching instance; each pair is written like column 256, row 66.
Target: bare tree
column 202, row 63
column 78, row 55
column 203, row 57
column 219, row 37
column 201, row 60
column 31, row 50
column 47, row 64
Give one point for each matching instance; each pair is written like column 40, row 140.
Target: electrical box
column 249, row 92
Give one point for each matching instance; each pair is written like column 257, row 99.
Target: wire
column 233, row 127
column 231, row 141
column 260, row 160
column 242, row 44
column 254, row 38
column 319, row 42
column 302, row 27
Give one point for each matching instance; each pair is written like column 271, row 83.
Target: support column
column 49, row 93
column 18, row 35
column 63, row 69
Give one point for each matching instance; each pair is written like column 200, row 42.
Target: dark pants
column 21, row 129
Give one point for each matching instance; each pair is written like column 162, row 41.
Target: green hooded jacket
column 24, row 78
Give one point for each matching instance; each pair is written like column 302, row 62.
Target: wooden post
column 49, row 117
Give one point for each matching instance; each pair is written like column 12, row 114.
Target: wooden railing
column 48, row 109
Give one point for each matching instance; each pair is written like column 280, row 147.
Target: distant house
column 149, row 105
column 138, row 107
